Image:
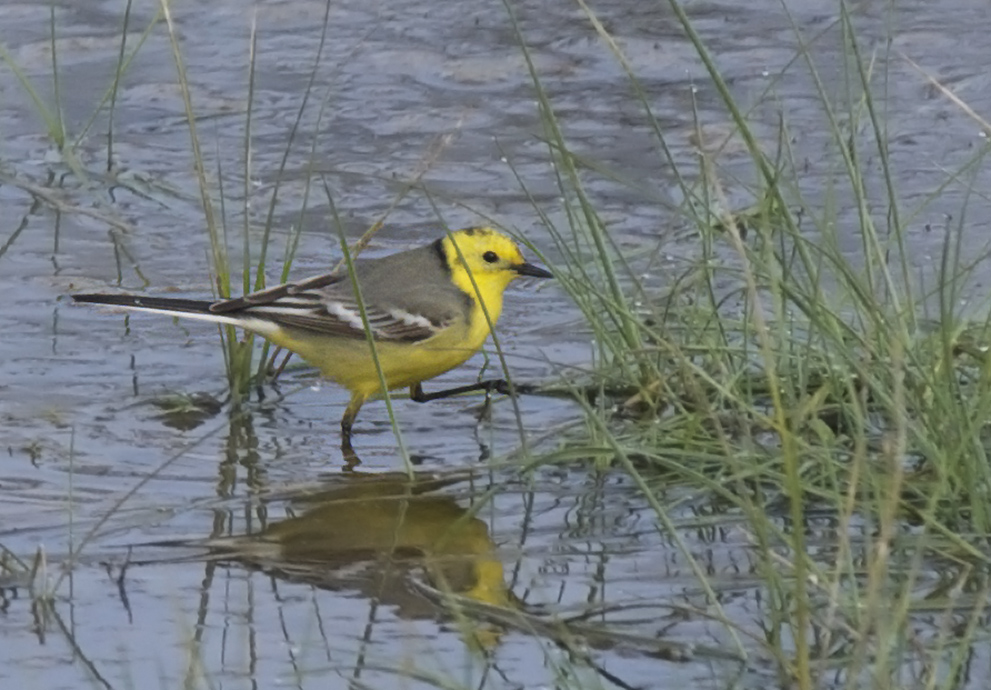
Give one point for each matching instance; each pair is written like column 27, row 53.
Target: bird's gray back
column 417, row 281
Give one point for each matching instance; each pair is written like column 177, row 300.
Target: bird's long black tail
column 191, row 306
column 199, row 310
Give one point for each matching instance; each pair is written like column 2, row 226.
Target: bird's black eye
column 490, row 257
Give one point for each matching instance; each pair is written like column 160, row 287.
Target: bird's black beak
column 528, row 269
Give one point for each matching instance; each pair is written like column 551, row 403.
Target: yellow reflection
column 387, row 524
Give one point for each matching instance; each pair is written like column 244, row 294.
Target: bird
column 428, row 309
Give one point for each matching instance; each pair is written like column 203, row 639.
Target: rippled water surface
column 276, row 571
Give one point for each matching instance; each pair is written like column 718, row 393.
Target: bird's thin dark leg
column 494, row 386
column 347, row 422
column 346, row 438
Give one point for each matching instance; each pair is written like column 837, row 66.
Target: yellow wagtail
column 424, row 307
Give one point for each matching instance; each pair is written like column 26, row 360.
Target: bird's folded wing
column 326, row 305
column 341, row 316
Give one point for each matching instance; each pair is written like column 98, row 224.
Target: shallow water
column 409, row 87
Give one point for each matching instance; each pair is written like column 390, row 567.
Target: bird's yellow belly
column 350, row 362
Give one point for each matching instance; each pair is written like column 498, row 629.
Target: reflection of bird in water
column 368, row 533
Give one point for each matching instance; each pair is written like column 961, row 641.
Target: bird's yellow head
column 483, row 263
column 493, row 259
